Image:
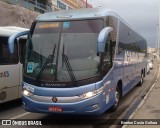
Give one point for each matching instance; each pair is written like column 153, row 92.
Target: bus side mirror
column 13, row 37
column 102, row 39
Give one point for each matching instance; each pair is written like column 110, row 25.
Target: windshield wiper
column 59, row 41
column 68, row 66
column 49, row 59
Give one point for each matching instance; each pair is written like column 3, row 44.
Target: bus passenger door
column 108, row 57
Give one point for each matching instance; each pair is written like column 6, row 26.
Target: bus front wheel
column 117, row 97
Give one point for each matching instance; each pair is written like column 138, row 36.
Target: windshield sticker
column 52, row 71
column 30, row 66
column 66, row 24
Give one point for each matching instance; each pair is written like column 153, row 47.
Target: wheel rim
column 141, row 78
column 117, row 98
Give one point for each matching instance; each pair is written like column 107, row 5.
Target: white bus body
column 10, row 65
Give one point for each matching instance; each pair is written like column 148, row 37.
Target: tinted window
column 5, row 57
column 22, row 46
column 70, row 47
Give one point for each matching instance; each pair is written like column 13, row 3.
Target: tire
column 148, row 71
column 117, row 99
column 141, row 80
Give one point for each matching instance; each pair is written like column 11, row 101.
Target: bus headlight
column 87, row 95
column 27, row 93
column 27, row 90
column 91, row 94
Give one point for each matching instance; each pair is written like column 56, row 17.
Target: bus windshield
column 63, row 51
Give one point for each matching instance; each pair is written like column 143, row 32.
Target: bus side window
column 22, row 47
column 5, row 57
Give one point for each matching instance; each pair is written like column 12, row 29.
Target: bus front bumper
column 91, row 106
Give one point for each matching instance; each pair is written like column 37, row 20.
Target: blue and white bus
column 80, row 62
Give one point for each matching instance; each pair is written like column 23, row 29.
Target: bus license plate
column 55, row 109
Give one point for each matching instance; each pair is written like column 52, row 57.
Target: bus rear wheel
column 141, row 80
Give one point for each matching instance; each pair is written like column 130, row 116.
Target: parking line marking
column 15, row 117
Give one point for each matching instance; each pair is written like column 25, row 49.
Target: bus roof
column 86, row 13
column 9, row 30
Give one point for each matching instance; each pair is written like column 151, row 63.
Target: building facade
column 69, row 4
column 51, row 5
column 31, row 4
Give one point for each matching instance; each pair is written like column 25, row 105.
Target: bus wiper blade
column 49, row 59
column 69, row 68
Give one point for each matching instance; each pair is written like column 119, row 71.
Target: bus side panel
column 109, row 89
column 9, row 94
column 9, row 82
column 132, row 49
